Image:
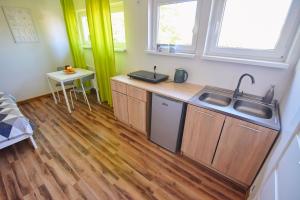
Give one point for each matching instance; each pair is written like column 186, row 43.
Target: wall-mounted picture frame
column 21, row 24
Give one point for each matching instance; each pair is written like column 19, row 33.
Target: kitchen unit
column 131, row 105
column 233, row 147
column 231, row 136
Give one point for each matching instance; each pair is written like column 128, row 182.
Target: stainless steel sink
column 253, row 109
column 215, row 99
column 245, row 106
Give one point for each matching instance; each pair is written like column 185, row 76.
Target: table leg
column 95, row 86
column 66, row 97
column 51, row 89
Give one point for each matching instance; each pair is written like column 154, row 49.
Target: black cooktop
column 148, row 76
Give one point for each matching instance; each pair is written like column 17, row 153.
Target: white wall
column 26, row 64
column 200, row 71
column 290, row 127
column 23, row 66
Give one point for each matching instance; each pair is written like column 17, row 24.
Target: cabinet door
column 242, row 149
column 137, row 114
column 201, row 134
column 120, row 106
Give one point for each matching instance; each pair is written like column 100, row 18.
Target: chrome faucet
column 237, row 90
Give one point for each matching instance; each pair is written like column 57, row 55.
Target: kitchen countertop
column 179, row 91
column 189, row 93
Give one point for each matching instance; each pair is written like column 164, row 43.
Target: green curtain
column 73, row 33
column 99, row 20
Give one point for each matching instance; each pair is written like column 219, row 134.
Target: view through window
column 118, row 26
column 176, row 23
column 253, row 24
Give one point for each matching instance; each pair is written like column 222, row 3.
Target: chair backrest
column 88, row 78
column 90, row 68
column 60, row 68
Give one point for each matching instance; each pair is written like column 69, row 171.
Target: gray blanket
column 12, row 122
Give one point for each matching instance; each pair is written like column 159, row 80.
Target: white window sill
column 115, row 50
column 182, row 55
column 121, row 50
column 279, row 65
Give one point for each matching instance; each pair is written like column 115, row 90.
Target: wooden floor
column 89, row 155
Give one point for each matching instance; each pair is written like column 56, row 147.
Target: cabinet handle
column 205, row 113
column 252, row 129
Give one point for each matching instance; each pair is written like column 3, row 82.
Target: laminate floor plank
column 90, row 155
column 3, row 194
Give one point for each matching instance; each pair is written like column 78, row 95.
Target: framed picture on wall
column 20, row 24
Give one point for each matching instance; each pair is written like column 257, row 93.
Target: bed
column 14, row 126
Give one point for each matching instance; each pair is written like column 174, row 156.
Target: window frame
column 278, row 55
column 154, row 26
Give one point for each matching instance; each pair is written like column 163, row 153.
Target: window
column 118, row 26
column 252, row 29
column 84, row 28
column 174, row 25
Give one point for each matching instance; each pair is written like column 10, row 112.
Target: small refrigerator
column 167, row 121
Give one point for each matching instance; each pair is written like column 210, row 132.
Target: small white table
column 61, row 77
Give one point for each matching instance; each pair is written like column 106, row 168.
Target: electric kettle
column 180, row 76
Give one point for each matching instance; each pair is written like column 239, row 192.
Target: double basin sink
column 246, row 107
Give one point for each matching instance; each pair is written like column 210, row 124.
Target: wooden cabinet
column 137, row 114
column 201, row 134
column 242, row 149
column 119, row 87
column 119, row 95
column 137, row 93
column 138, row 102
column 234, row 148
column 131, row 105
column 120, row 106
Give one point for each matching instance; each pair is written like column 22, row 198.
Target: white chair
column 66, row 84
column 83, row 89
